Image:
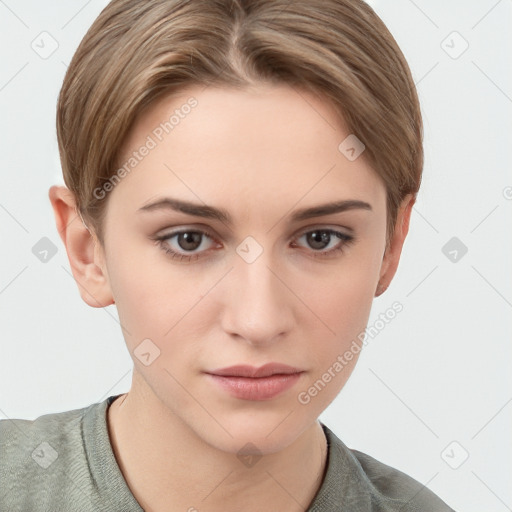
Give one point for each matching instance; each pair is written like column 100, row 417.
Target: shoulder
column 42, row 460
column 392, row 484
column 377, row 486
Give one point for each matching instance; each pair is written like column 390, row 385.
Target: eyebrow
column 210, row 212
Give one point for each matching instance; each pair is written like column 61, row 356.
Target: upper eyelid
column 209, row 232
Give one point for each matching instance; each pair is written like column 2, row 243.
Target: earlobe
column 393, row 252
column 83, row 249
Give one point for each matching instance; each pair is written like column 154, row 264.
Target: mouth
column 244, row 370
column 251, row 383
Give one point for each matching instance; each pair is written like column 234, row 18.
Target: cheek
column 343, row 295
column 161, row 302
column 346, row 314
column 344, row 307
column 142, row 295
column 342, row 300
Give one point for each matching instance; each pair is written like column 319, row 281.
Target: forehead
column 267, row 145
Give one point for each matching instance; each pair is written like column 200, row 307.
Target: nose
column 258, row 306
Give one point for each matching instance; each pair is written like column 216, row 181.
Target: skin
column 260, row 154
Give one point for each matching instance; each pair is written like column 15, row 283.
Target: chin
column 259, row 432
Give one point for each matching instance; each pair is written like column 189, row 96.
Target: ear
column 85, row 253
column 394, row 250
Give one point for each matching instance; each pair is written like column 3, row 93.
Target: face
column 261, row 282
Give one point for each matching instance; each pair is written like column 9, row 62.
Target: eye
column 319, row 239
column 186, row 240
column 189, row 240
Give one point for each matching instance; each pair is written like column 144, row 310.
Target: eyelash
column 160, row 241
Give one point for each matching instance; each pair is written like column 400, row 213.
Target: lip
column 251, row 383
column 245, row 370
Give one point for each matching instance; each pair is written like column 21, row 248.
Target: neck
column 167, row 466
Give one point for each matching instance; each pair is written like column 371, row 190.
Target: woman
column 240, row 177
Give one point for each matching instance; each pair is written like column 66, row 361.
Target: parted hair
column 137, row 52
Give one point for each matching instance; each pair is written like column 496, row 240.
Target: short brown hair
column 139, row 51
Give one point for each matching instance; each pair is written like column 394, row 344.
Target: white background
column 439, row 372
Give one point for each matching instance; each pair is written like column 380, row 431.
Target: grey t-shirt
column 64, row 462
